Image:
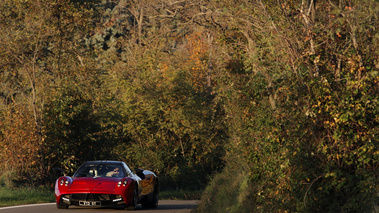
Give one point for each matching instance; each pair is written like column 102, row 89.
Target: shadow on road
column 169, row 206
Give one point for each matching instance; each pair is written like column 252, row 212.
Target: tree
column 295, row 98
column 25, row 29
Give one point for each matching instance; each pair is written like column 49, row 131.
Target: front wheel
column 62, row 206
column 133, row 206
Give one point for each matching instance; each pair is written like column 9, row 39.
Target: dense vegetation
column 270, row 106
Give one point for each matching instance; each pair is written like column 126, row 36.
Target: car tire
column 151, row 201
column 154, row 202
column 133, row 206
column 62, row 206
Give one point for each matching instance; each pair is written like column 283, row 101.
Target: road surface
column 170, row 206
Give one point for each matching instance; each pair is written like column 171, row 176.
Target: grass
column 25, row 195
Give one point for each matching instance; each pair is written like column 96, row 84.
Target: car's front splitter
column 92, row 200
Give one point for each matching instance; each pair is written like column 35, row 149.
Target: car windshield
column 100, row 170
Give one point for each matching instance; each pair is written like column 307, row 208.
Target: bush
column 6, row 179
column 229, row 190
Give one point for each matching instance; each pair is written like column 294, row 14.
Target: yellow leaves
column 360, row 69
column 192, row 62
column 330, row 174
column 20, row 142
column 164, row 69
column 316, row 60
column 198, row 54
column 328, row 123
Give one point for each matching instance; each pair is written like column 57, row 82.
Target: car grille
column 106, row 199
column 91, row 197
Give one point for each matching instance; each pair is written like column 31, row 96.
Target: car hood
column 93, row 184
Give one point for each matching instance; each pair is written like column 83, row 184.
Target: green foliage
column 74, row 132
column 171, row 127
column 6, row 179
column 228, row 191
column 307, row 129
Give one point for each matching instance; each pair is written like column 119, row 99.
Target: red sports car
column 107, row 183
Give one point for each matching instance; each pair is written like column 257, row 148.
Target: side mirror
column 140, row 174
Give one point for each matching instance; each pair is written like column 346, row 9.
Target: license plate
column 89, row 203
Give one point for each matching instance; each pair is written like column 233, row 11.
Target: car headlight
column 122, row 183
column 63, row 181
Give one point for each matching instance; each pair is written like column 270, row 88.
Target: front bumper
column 91, row 199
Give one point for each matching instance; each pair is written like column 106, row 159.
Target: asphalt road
column 171, row 206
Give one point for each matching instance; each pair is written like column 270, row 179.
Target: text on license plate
column 89, row 203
